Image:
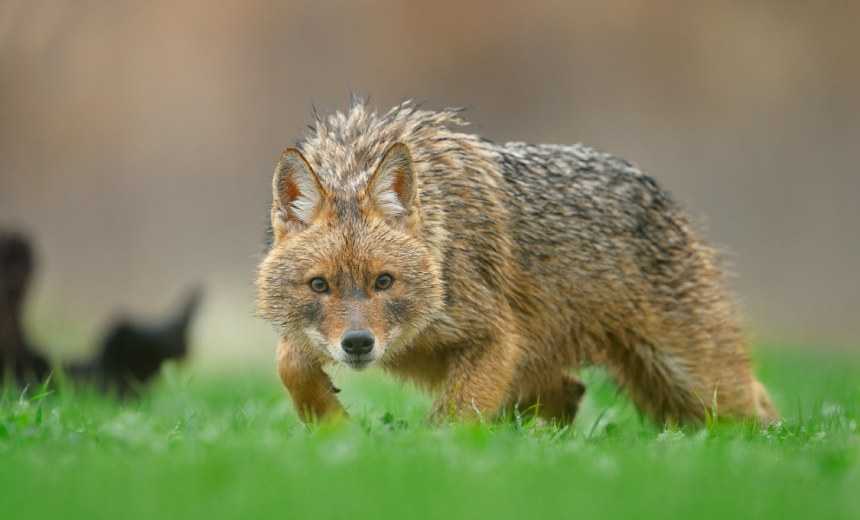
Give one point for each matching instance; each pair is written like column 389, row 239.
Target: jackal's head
column 348, row 276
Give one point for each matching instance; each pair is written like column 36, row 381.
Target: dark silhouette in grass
column 132, row 353
column 128, row 357
column 17, row 358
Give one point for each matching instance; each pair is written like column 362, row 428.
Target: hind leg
column 554, row 398
column 678, row 381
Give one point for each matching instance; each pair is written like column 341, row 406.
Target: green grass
column 230, row 446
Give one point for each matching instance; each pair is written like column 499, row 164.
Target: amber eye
column 384, row 282
column 319, row 285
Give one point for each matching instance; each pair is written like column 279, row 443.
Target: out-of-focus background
column 138, row 139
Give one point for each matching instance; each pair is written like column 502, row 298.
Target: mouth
column 358, row 363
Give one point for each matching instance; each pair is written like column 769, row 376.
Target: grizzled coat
column 487, row 272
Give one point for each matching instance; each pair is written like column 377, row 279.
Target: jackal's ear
column 297, row 190
column 393, row 187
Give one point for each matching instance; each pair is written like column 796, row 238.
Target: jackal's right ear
column 392, row 188
column 297, row 190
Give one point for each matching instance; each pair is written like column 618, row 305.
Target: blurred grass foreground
column 230, row 445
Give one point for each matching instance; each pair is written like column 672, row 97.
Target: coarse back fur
column 509, row 265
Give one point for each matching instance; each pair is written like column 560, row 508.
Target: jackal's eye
column 318, row 285
column 384, row 282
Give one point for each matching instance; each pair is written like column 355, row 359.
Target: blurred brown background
column 138, row 139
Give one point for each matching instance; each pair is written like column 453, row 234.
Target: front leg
column 309, row 386
column 479, row 381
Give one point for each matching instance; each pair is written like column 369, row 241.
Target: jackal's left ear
column 393, row 186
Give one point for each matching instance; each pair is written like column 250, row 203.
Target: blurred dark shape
column 132, row 353
column 17, row 358
column 129, row 356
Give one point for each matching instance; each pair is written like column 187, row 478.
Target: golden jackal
column 487, row 272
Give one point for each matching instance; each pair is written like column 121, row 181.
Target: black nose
column 357, row 341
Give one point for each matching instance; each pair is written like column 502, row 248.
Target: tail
column 765, row 409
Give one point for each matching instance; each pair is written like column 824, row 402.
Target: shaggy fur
column 513, row 265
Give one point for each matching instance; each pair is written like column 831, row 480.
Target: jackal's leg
column 479, row 382
column 553, row 396
column 680, row 381
column 310, row 387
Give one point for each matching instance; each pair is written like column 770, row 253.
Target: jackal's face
column 348, row 277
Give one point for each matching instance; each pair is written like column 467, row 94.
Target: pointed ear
column 297, row 191
column 392, row 188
